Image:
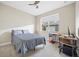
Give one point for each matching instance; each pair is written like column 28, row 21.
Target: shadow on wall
column 5, row 37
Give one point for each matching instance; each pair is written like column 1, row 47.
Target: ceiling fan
column 35, row 3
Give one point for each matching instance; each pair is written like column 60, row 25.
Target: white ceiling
column 44, row 6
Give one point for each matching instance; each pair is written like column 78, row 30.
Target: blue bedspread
column 24, row 42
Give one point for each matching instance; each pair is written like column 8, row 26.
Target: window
column 50, row 23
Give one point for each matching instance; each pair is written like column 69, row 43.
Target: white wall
column 12, row 18
column 66, row 18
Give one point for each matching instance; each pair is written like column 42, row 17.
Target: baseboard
column 3, row 44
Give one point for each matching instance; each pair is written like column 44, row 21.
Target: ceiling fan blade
column 30, row 4
column 36, row 2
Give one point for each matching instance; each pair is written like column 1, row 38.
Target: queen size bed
column 24, row 41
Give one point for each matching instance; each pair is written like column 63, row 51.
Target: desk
column 67, row 41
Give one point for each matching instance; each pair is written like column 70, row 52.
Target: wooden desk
column 68, row 41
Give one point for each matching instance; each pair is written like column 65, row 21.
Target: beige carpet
column 49, row 50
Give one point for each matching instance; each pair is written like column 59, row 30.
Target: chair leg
column 59, row 50
column 34, row 49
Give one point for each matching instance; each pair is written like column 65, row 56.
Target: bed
column 24, row 41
